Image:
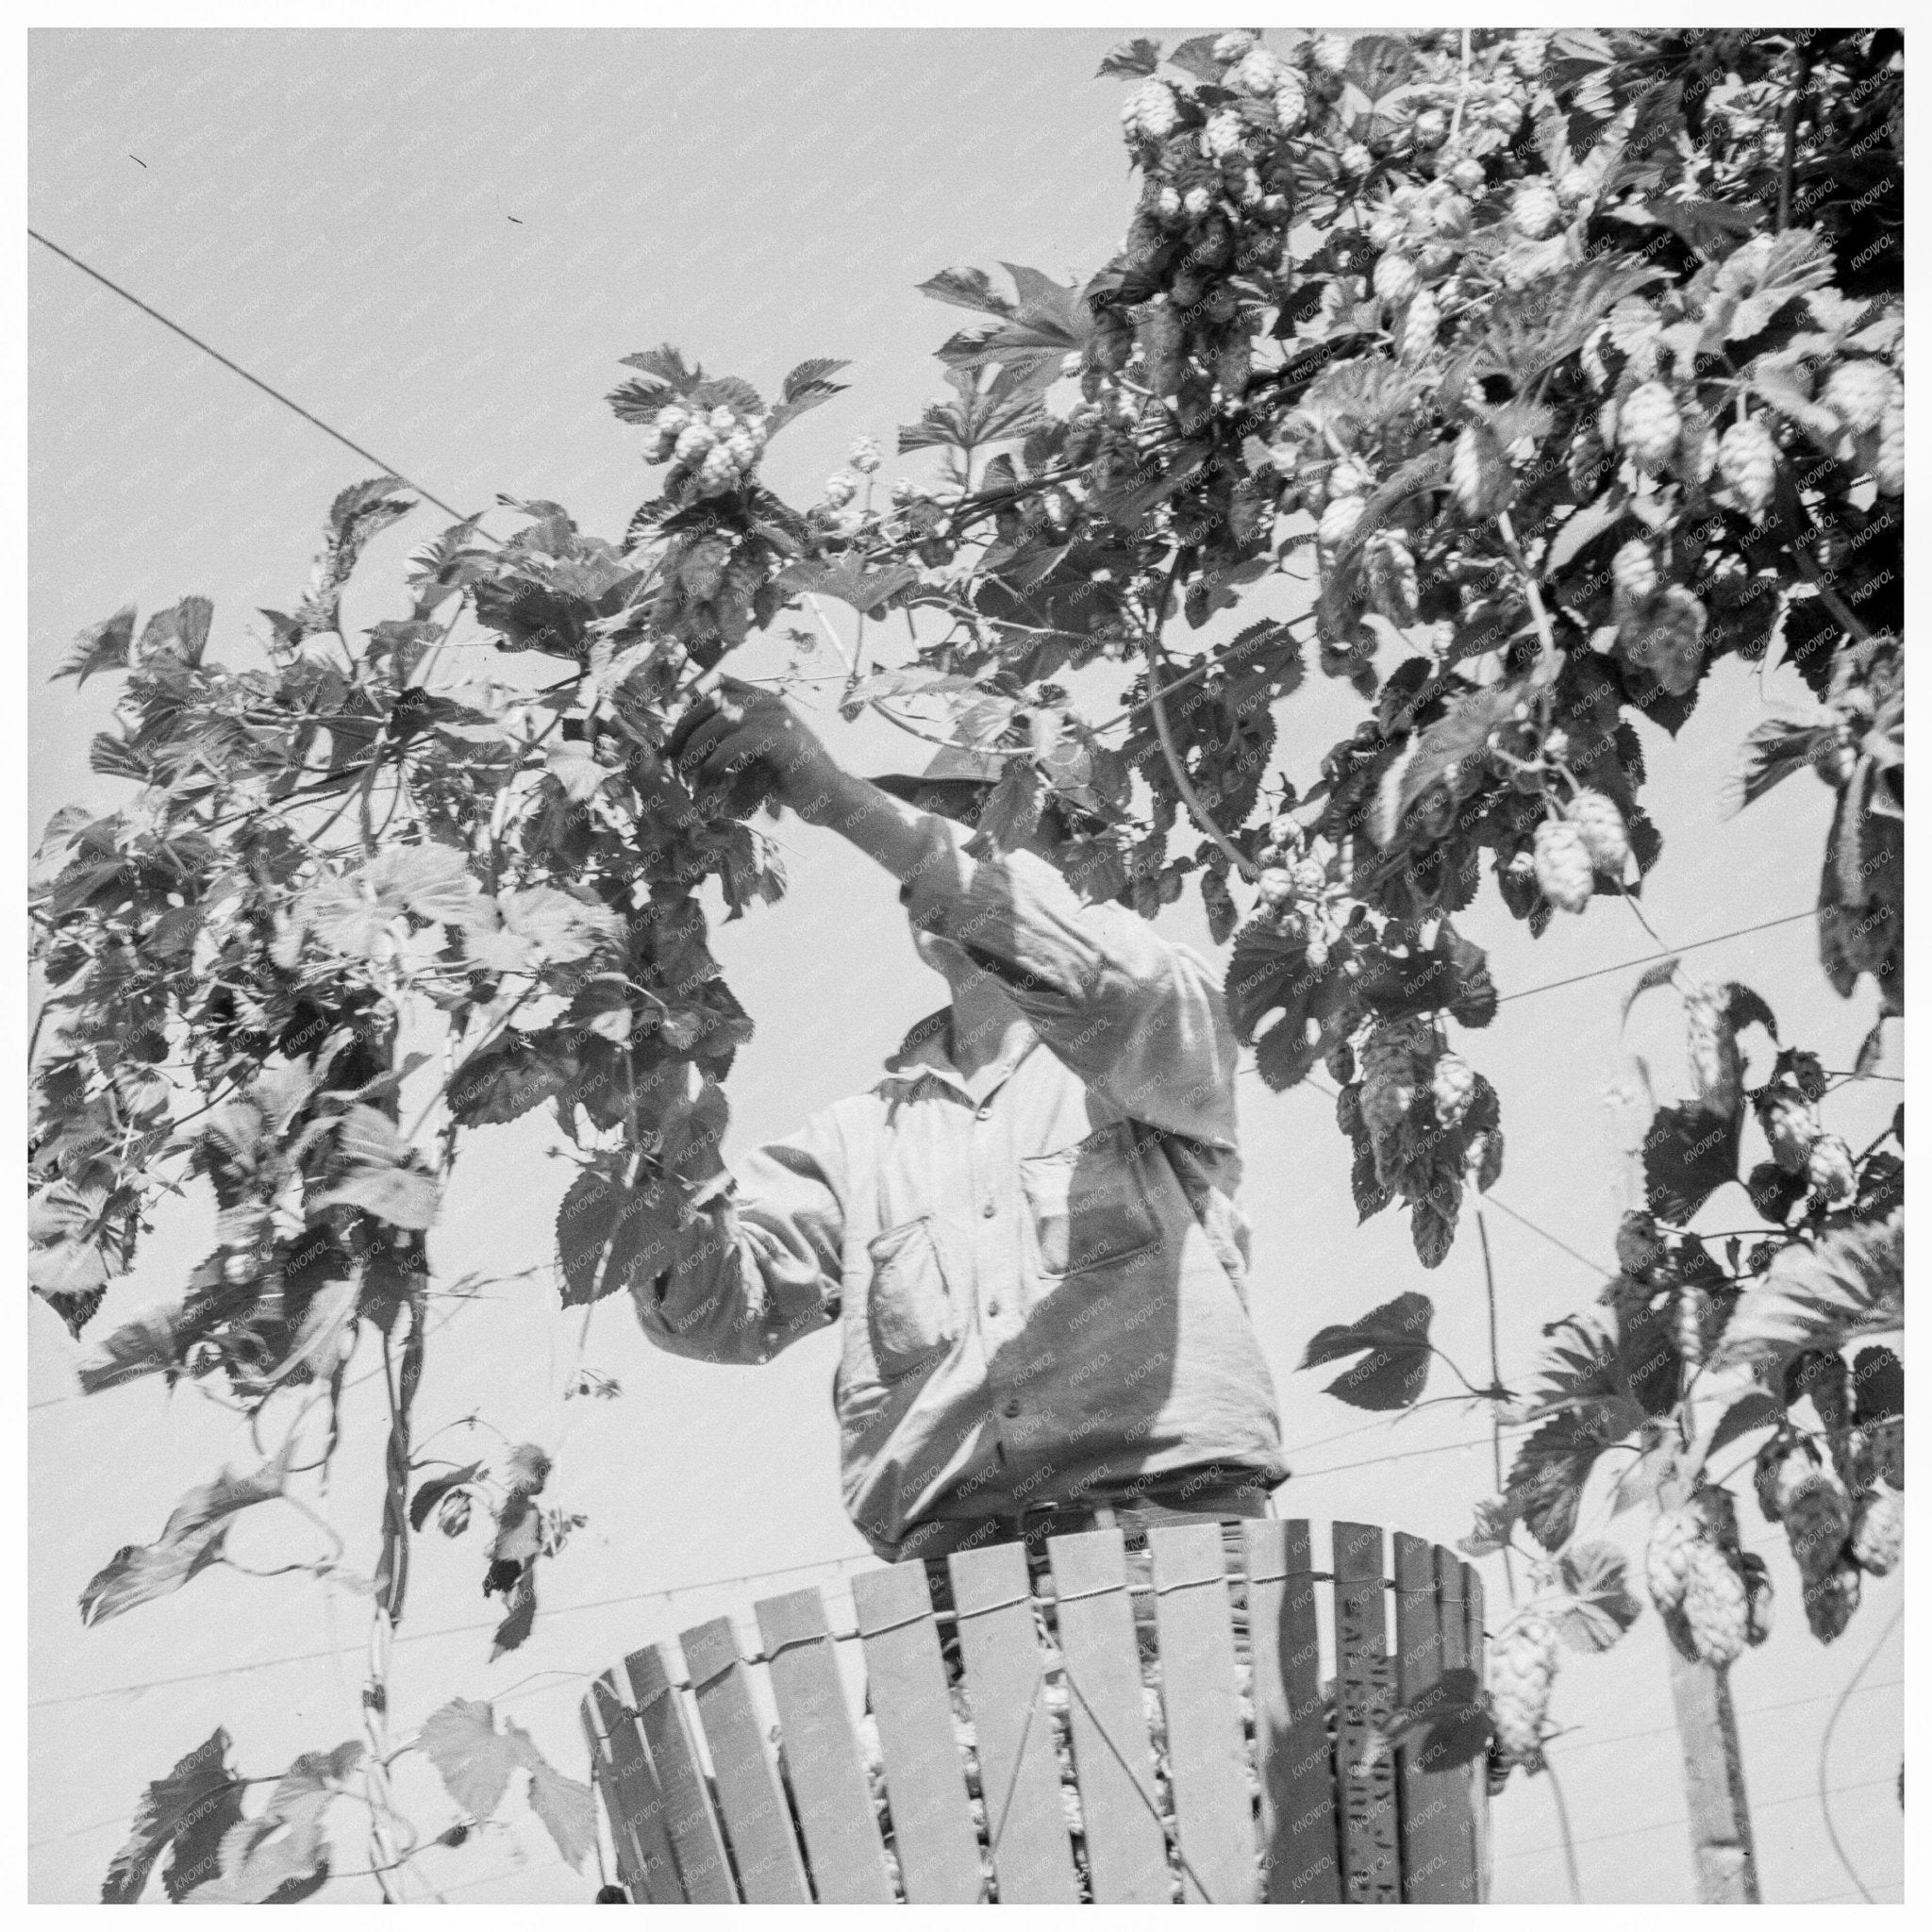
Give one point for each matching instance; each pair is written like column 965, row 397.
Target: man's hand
column 749, row 746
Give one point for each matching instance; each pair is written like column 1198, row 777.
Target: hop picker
column 1028, row 1230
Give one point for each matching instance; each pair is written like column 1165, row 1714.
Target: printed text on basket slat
column 1370, row 1858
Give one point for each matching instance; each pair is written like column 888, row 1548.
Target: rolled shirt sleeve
column 761, row 1264
column 1137, row 1017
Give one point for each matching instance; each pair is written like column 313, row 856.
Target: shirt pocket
column 909, row 1312
column 1089, row 1201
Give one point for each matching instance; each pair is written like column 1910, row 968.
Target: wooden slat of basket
column 1370, row 1858
column 1298, row 1835
column 1478, row 1772
column 604, row 1781
column 1460, row 1789
column 695, row 1838
column 827, row 1771
column 1431, row 1856
column 1206, row 1751
column 637, row 1806
column 1018, row 1770
column 1114, row 1762
column 926, row 1784
column 765, row 1848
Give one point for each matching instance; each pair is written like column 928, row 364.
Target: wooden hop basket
column 1051, row 1773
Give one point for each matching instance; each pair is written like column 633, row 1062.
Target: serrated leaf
column 472, row 1758
column 1687, row 1156
column 1652, row 977
column 1134, row 56
column 1600, row 1605
column 967, row 288
column 1755, row 1409
column 505, row 1080
column 1393, row 1341
column 188, row 1813
column 609, row 1237
column 1849, row 1282
column 436, row 1489
column 400, row 1196
column 1583, row 527
column 567, row 1809
column 281, row 1857
column 432, row 881
column 192, row 1540
column 102, row 646
column 1449, row 1725
column 145, row 1347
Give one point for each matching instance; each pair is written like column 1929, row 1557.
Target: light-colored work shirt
column 1040, row 1276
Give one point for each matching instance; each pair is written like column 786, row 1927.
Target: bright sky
column 334, row 210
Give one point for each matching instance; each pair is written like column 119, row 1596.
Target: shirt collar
column 927, row 1048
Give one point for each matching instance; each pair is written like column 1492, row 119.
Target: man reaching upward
column 1028, row 1228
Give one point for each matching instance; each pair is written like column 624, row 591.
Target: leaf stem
column 1155, row 697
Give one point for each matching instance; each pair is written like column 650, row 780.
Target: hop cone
column 1259, row 73
column 1223, row 134
column 1479, row 478
column 1149, row 113
column 1716, row 1068
column 1419, row 327
column 1648, row 424
column 1535, row 210
column 1759, row 1597
column 1601, row 827
column 1563, row 865
column 1716, row 1603
column 1527, row 52
column 1782, row 1465
column 1522, row 1665
column 1817, row 1519
column 1831, row 1600
column 1638, row 1247
column 1694, row 1324
column 1586, row 459
column 1338, row 522
column 1452, row 1086
column 1391, row 572
column 1858, row 394
column 1791, row 1125
column 1232, row 46
column 1358, row 157
column 1747, row 460
column 1667, row 1557
column 1878, row 1532
column 1331, row 52
column 1395, row 278
column 1665, row 637
column 1829, row 1167
column 1291, row 103
column 1633, row 574
column 1889, row 462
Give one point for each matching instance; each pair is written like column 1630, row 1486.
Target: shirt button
column 1012, row 1410
column 992, row 1307
column 990, row 1209
column 980, row 1114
